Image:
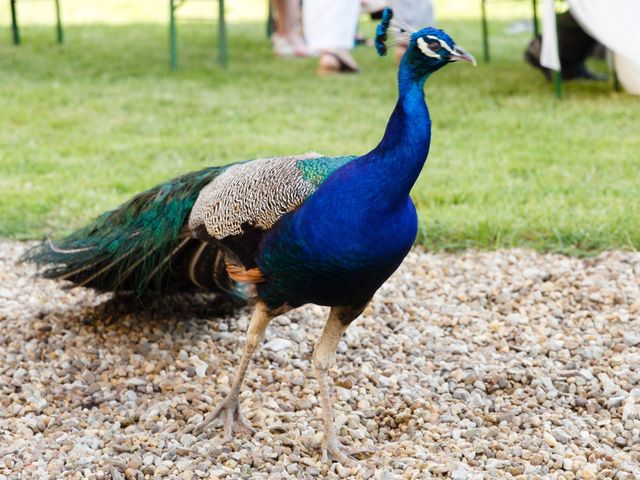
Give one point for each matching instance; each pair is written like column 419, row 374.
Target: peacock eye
column 434, row 46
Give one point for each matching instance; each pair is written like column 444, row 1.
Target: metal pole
column 616, row 81
column 536, row 28
column 59, row 23
column 557, row 75
column 14, row 23
column 611, row 65
column 485, row 31
column 222, row 36
column 173, row 43
column 270, row 25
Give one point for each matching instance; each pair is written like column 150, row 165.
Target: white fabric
column 415, row 13
column 330, row 24
column 549, row 56
column 628, row 74
column 615, row 24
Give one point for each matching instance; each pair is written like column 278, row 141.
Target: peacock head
column 428, row 49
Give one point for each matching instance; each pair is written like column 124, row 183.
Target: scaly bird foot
column 234, row 421
column 332, row 452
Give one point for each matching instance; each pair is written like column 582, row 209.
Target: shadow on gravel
column 158, row 310
column 151, row 317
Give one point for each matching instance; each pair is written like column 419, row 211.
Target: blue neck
column 399, row 157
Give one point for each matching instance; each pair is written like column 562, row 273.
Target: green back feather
column 316, row 170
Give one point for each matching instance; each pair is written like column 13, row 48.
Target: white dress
column 330, row 24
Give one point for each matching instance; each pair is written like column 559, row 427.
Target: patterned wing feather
column 254, row 195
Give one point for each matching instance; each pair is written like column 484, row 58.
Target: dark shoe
column 589, row 75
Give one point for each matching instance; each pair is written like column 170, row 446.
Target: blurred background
column 88, row 123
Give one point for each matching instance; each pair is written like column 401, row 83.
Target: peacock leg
column 229, row 407
column 324, row 356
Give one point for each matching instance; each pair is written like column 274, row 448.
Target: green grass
column 86, row 125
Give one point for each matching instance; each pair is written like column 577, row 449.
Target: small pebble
column 549, row 439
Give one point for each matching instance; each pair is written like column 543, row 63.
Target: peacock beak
column 459, row 54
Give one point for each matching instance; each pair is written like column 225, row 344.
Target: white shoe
column 283, row 47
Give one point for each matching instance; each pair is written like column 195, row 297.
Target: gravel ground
column 506, row 364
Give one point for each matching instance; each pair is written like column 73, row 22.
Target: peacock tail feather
column 131, row 248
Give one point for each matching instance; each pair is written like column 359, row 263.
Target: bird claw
column 234, row 422
column 332, row 452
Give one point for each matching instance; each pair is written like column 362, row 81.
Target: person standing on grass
column 330, row 31
column 287, row 40
column 330, row 28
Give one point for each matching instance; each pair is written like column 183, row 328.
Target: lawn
column 86, row 125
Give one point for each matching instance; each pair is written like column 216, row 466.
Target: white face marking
column 424, row 48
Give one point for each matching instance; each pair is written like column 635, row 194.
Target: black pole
column 485, row 31
column 222, row 35
column 173, row 41
column 59, row 33
column 14, row 23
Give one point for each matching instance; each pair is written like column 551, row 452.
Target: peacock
column 276, row 232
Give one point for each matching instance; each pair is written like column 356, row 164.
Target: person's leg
column 574, row 45
column 286, row 39
column 330, row 29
